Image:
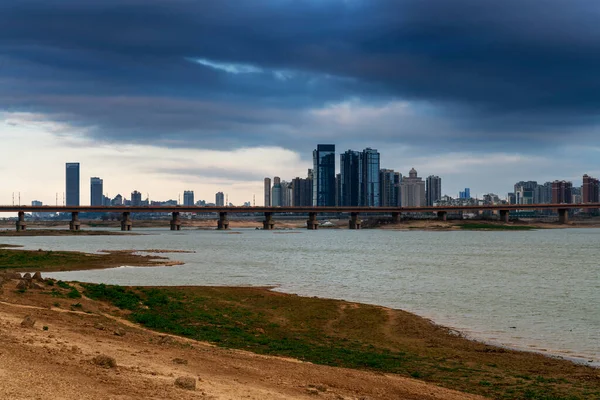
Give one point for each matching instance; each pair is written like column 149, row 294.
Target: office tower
column 412, row 190
column 561, row 192
column 220, row 199
column 466, row 194
column 188, row 198
column 286, row 194
column 276, row 194
column 350, row 178
column 542, row 194
column 433, row 189
column 589, row 190
column 511, row 198
column 117, row 201
column 324, row 175
column 370, row 190
column 302, row 192
column 97, row 192
column 397, row 183
column 525, row 192
column 389, row 190
column 136, row 198
column 72, row 180
column 267, row 192
column 338, row 190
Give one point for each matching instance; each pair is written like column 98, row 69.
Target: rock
column 166, row 340
column 22, row 284
column 27, row 276
column 28, row 322
column 119, row 332
column 38, row 277
column 105, row 361
column 179, row 361
column 186, row 382
column 312, row 391
column 35, row 285
column 99, row 326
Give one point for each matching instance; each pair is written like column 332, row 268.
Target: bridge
column 354, row 222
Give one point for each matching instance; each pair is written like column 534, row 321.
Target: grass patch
column 337, row 333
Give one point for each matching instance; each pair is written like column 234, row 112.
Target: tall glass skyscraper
column 72, row 181
column 324, row 175
column 96, row 189
column 371, row 189
column 433, row 190
column 350, row 176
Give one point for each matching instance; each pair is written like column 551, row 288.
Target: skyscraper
column 96, row 190
column 389, row 191
column 220, row 199
column 433, row 189
column 302, row 192
column 324, row 175
column 370, row 188
column 136, row 198
column 589, row 189
column 72, row 181
column 276, row 193
column 561, row 192
column 188, row 198
column 350, row 178
column 412, row 190
column 267, row 192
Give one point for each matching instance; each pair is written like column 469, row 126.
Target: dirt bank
column 54, row 359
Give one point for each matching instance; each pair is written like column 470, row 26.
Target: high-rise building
column 397, row 185
column 350, row 178
column 220, row 199
column 412, row 190
column 433, row 189
column 338, row 190
column 117, row 201
column 267, row 192
column 589, row 190
column 561, row 192
column 72, row 180
column 188, row 198
column 525, row 192
column 324, row 175
column 466, row 194
column 389, row 189
column 136, row 198
column 97, row 193
column 543, row 193
column 286, row 194
column 302, row 192
column 370, row 190
column 276, row 193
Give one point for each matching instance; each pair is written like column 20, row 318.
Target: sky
column 163, row 96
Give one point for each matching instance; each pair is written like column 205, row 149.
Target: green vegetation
column 350, row 335
column 495, row 227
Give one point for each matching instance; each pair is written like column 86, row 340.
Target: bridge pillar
column 442, row 215
column 126, row 223
column 75, row 225
column 395, row 217
column 223, row 222
column 268, row 223
column 175, row 222
column 311, row 222
column 21, row 225
column 563, row 215
column 505, row 216
column 354, row 222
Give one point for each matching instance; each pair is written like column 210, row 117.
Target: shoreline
column 394, row 341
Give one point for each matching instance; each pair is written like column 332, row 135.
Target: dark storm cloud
column 496, row 72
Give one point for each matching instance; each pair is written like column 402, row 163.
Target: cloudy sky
column 167, row 95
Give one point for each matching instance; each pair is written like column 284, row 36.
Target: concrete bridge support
column 563, row 215
column 311, row 222
column 442, row 215
column 175, row 222
column 354, row 222
column 126, row 223
column 505, row 216
column 268, row 223
column 395, row 217
column 75, row 225
column 21, row 225
column 223, row 222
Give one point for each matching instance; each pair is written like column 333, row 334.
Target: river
column 531, row 290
